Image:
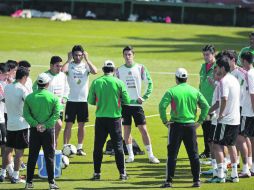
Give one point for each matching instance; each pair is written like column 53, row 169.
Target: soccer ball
column 69, row 150
column 65, row 162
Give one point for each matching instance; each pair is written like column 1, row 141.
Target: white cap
column 43, row 78
column 181, row 73
column 109, row 63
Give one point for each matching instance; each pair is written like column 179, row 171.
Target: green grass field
column 161, row 47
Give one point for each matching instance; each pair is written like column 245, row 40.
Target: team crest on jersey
column 129, row 73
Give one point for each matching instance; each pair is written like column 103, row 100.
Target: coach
column 184, row 100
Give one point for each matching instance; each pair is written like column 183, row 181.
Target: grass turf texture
column 161, row 47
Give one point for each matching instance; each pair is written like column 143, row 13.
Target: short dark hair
column 181, row 80
column 3, row 68
column 41, row 85
column 231, row 54
column 55, row 59
column 108, row 69
column 248, row 56
column 21, row 72
column 128, row 48
column 209, row 47
column 223, row 61
column 77, row 48
column 24, row 63
column 11, row 64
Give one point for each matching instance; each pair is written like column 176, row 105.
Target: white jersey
column 58, row 85
column 230, row 88
column 216, row 97
column 15, row 94
column 2, row 105
column 241, row 75
column 78, row 79
column 247, row 90
column 132, row 78
column 29, row 85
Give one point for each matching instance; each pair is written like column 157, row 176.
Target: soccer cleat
column 53, row 186
column 196, row 184
column 218, row 180
column 22, row 166
column 233, row 179
column 29, row 186
column 96, row 177
column 123, row 177
column 166, row 185
column 154, row 160
column 14, row 181
column 244, row 175
column 129, row 160
column 80, row 152
column 2, row 178
column 208, row 172
column 252, row 173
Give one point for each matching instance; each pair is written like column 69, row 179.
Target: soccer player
column 3, row 77
column 133, row 74
column 248, row 109
column 249, row 48
column 29, row 83
column 41, row 111
column 108, row 94
column 58, row 85
column 206, row 87
column 184, row 100
column 77, row 75
column 228, row 121
column 17, row 127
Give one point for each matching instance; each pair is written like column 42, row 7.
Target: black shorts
column 225, row 134
column 18, row 139
column 136, row 112
column 76, row 109
column 211, row 131
column 2, row 134
column 249, row 127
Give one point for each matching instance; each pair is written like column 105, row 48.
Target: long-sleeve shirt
column 41, row 107
column 133, row 76
column 184, row 100
column 108, row 93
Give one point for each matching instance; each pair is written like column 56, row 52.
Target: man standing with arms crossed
column 184, row 100
column 77, row 72
column 133, row 74
column 108, row 94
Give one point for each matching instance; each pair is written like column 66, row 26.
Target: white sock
column 250, row 161
column 64, row 145
column 149, row 150
column 3, row 172
column 79, row 146
column 228, row 158
column 130, row 150
column 214, row 164
column 221, row 170
column 10, row 169
column 234, row 170
column 245, row 168
column 238, row 160
column 15, row 174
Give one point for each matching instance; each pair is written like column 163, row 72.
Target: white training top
column 230, row 88
column 78, row 79
column 2, row 106
column 132, row 78
column 216, row 97
column 15, row 94
column 248, row 89
column 241, row 75
column 29, row 85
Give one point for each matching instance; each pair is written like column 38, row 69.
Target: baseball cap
column 109, row 63
column 181, row 73
column 43, row 78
